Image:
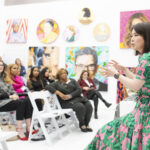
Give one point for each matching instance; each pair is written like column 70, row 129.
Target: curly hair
column 127, row 37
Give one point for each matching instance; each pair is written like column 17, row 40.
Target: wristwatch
column 116, row 75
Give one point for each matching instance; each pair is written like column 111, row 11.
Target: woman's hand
column 86, row 88
column 110, row 71
column 116, row 65
column 14, row 97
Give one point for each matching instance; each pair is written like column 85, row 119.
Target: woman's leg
column 95, row 99
column 80, row 110
column 19, row 107
column 88, row 112
column 103, row 100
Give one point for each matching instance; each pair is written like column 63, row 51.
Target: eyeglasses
column 89, row 67
column 47, row 54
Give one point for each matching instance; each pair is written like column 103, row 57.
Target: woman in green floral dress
column 131, row 132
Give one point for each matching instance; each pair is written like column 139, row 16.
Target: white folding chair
column 50, row 111
column 4, row 136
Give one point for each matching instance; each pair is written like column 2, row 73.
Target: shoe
column 23, row 139
column 95, row 115
column 33, row 132
column 108, row 104
column 83, row 128
column 37, row 137
column 89, row 129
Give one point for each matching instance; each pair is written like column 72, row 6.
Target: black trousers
column 22, row 107
column 83, row 111
column 95, row 95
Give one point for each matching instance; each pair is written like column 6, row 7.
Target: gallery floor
column 76, row 140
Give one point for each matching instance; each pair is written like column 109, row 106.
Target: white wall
column 66, row 13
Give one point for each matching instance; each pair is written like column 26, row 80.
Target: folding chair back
column 51, row 111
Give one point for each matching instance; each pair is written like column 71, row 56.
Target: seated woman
column 16, row 80
column 34, row 84
column 69, row 96
column 44, row 77
column 9, row 101
column 89, row 91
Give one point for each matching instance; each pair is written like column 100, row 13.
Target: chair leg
column 74, row 119
column 4, row 145
column 66, row 123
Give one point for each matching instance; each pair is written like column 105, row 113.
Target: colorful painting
column 86, row 16
column 16, row 31
column 101, row 32
column 87, row 58
column 47, row 31
column 44, row 57
column 122, row 91
column 127, row 20
column 71, row 33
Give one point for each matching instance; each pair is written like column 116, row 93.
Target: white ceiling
column 17, row 2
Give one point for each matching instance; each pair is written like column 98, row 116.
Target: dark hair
column 81, row 75
column 50, row 22
column 31, row 72
column 59, row 73
column 42, row 73
column 87, row 51
column 87, row 12
column 3, row 74
column 144, row 30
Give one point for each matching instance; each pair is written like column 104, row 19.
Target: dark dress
column 80, row 105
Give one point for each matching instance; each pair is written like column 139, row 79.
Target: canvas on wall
column 122, row 91
column 127, row 20
column 44, row 57
column 92, row 59
column 16, row 30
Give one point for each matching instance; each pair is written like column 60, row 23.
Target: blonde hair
column 8, row 78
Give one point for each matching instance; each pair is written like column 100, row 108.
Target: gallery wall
column 66, row 13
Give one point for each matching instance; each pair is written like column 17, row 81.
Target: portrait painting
column 86, row 16
column 47, row 31
column 16, row 30
column 71, row 33
column 91, row 59
column 127, row 20
column 44, row 57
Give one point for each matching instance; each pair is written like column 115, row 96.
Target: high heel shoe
column 89, row 129
column 108, row 104
column 83, row 128
column 21, row 138
column 33, row 132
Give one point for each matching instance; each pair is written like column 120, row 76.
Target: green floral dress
column 131, row 132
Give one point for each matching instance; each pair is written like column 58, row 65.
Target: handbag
column 9, row 127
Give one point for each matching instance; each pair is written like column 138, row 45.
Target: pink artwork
column 16, row 31
column 127, row 20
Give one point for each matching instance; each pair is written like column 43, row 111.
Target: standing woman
column 89, row 90
column 9, row 101
column 131, row 132
column 44, row 77
column 69, row 96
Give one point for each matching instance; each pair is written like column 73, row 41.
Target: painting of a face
column 71, row 33
column 86, row 16
column 101, row 32
column 47, row 31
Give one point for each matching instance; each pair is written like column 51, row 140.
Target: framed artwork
column 71, row 33
column 47, row 31
column 101, row 32
column 16, row 30
column 86, row 16
column 127, row 20
column 44, row 57
column 87, row 58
